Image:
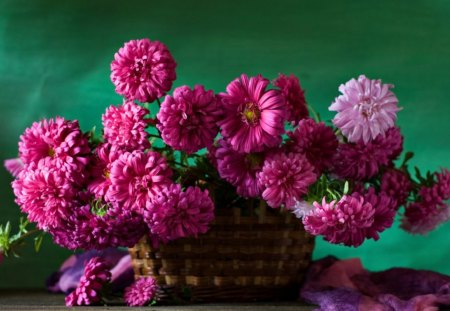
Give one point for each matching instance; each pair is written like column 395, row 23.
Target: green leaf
column 346, row 187
column 38, row 242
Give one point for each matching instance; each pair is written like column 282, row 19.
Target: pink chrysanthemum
column 362, row 161
column 124, row 126
column 137, row 177
column 285, row 178
column 344, row 222
column 188, row 119
column 240, row 169
column 14, row 166
column 294, row 97
column 367, row 108
column 423, row 217
column 143, row 70
column 104, row 155
column 253, row 117
column 96, row 275
column 176, row 214
column 443, row 184
column 110, row 226
column 385, row 211
column 141, row 292
column 44, row 193
column 58, row 139
column 316, row 141
column 396, row 185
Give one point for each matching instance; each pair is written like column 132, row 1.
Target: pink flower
column 385, row 211
column 396, row 185
column 294, row 97
column 59, row 140
column 104, row 156
column 137, row 177
column 110, row 226
column 422, row 217
column 443, row 184
column 362, row 161
column 188, row 119
column 285, row 178
column 316, row 141
column 96, row 275
column 253, row 117
column 240, row 169
column 143, row 70
column 44, row 193
column 141, row 292
column 176, row 214
column 367, row 108
column 344, row 222
column 14, row 166
column 124, row 126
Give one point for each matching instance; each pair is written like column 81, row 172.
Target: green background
column 55, row 57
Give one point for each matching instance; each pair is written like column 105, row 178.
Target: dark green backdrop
column 55, row 56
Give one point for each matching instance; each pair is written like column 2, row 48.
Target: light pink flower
column 59, row 140
column 14, row 166
column 143, row 70
column 253, row 117
column 285, row 179
column 362, row 161
column 316, row 141
column 176, row 214
column 96, row 275
column 188, row 119
column 367, row 108
column 44, row 193
column 137, row 177
column 343, row 222
column 124, row 126
column 240, row 169
column 294, row 97
column 141, row 292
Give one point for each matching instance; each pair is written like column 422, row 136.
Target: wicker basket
column 257, row 255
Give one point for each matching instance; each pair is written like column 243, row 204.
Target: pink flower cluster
column 95, row 192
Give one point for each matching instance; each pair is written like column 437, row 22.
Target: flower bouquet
column 219, row 196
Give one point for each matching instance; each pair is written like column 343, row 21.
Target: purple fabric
column 67, row 278
column 345, row 285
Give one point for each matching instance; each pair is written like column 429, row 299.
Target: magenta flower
column 143, row 70
column 253, row 117
column 176, row 214
column 294, row 97
column 316, row 141
column 285, row 179
column 45, row 193
column 188, row 119
column 59, row 140
column 385, row 210
column 362, row 161
column 240, row 169
column 104, row 156
column 96, row 275
column 396, row 185
column 112, row 226
column 422, row 217
column 367, row 108
column 14, row 166
column 343, row 222
column 124, row 126
column 141, row 292
column 137, row 177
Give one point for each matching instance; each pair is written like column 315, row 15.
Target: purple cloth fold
column 67, row 278
column 345, row 285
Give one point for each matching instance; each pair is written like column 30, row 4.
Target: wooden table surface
column 41, row 300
